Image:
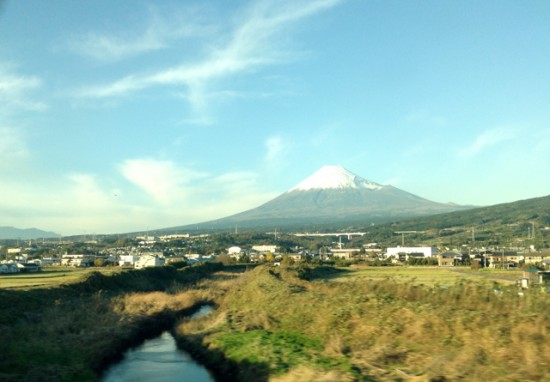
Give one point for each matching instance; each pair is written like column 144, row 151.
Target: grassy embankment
column 289, row 325
column 71, row 332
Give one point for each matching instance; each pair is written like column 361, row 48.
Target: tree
column 287, row 261
column 224, row 258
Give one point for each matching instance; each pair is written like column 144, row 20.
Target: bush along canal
column 159, row 359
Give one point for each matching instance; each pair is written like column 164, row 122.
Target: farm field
column 50, row 277
column 426, row 275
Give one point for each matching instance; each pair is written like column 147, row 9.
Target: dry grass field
column 375, row 324
column 282, row 324
column 68, row 324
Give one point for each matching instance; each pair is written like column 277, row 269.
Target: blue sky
column 120, row 116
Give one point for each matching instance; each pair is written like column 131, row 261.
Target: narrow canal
column 159, row 359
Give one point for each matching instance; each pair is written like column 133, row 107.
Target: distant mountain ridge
column 7, row 233
column 332, row 194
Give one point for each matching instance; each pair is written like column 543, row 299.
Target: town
column 340, row 248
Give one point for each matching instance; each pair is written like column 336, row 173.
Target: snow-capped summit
column 334, row 177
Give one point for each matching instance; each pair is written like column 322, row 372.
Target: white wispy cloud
column 274, row 148
column 109, row 48
column 486, row 140
column 160, row 32
column 15, row 90
column 253, row 43
column 162, row 179
column 13, row 147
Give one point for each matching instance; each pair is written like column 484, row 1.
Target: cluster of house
column 19, row 267
column 137, row 260
column 124, row 258
column 401, row 255
column 143, row 256
column 144, row 240
column 21, row 263
column 494, row 259
column 533, row 277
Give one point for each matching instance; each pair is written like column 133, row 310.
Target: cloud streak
column 160, row 33
column 486, row 140
column 252, row 44
column 13, row 147
column 15, row 89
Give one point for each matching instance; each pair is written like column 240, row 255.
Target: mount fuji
column 332, row 196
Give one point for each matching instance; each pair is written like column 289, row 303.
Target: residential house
column 295, row 256
column 505, row 259
column 8, row 268
column 425, row 251
column 534, row 277
column 447, row 259
column 175, row 259
column 345, row 253
column 28, row 267
column 77, row 260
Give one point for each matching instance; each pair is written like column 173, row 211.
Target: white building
column 426, row 251
column 127, row 260
column 193, row 258
column 265, row 248
column 147, row 239
column 166, row 238
column 234, row 251
column 77, row 260
column 151, row 259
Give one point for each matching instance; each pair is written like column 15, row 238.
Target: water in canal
column 159, row 359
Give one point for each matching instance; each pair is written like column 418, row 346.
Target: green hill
column 523, row 222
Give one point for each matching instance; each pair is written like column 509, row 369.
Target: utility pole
column 403, row 236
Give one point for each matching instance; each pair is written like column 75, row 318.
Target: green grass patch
column 281, row 350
